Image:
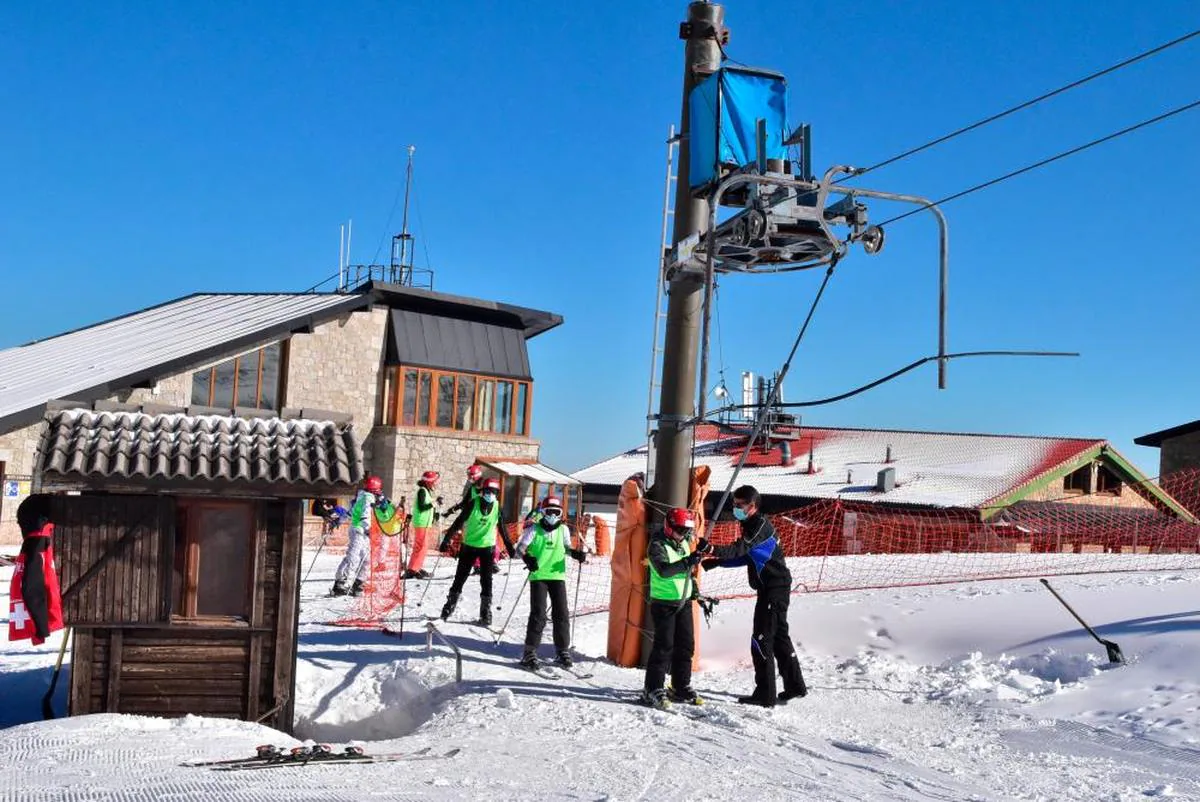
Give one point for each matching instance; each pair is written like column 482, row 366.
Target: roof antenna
column 402, row 252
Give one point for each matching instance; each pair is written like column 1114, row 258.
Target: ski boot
column 423, row 574
column 339, row 589
column 656, row 699
column 485, row 611
column 564, row 659
column 529, row 660
column 357, row 588
column 686, row 696
column 448, row 607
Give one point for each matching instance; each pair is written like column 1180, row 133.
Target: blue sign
column 11, row 489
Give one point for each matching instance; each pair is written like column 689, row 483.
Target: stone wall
column 1127, row 499
column 400, row 455
column 1179, row 454
column 339, row 367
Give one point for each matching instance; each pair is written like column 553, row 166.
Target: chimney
column 785, row 454
column 887, row 457
column 885, row 480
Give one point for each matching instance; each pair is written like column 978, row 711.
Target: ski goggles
column 554, row 512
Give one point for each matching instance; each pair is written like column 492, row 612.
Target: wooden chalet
column 178, row 540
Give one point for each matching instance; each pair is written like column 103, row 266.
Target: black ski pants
column 556, row 591
column 674, row 644
column 467, row 555
column 771, row 644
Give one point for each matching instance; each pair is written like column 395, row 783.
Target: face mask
column 489, row 497
column 739, row 513
column 551, row 520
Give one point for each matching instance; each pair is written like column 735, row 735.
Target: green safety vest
column 422, row 518
column 550, row 550
column 672, row 588
column 480, row 530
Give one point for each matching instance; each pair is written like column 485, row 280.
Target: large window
column 436, row 399
column 212, row 560
column 250, row 380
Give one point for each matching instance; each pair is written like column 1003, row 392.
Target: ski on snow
column 274, row 757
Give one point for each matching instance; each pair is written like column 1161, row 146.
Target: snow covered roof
column 536, row 471
column 939, row 469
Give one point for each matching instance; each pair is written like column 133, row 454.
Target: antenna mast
column 402, row 251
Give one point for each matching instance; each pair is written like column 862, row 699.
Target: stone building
column 428, row 380
column 1178, row 461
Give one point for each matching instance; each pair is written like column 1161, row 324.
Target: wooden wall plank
column 288, row 615
column 81, row 674
column 113, row 695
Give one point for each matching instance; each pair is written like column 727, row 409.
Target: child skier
column 356, row 563
column 424, row 515
column 479, row 523
column 672, row 590
column 544, row 548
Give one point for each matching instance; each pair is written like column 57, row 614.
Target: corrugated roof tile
column 199, row 448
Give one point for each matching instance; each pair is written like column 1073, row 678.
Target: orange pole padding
column 629, row 589
column 697, row 493
column 603, row 537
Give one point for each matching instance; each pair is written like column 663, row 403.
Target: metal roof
column 144, row 346
column 536, row 471
column 932, row 468
column 1156, row 439
column 175, row 448
column 420, row 339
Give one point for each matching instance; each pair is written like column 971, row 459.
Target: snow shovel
column 48, row 699
column 1114, row 651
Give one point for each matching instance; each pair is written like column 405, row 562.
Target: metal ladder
column 660, row 295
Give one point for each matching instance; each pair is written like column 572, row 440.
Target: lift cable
column 1034, row 101
column 1046, row 161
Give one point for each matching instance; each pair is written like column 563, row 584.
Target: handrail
column 431, row 630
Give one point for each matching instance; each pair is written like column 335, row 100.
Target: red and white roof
column 939, row 469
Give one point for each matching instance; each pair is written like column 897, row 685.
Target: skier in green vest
column 672, row 592
column 544, row 547
column 479, row 522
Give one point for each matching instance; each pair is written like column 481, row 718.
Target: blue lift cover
column 723, row 110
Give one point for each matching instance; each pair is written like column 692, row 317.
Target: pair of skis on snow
column 269, row 756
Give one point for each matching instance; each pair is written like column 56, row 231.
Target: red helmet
column 373, row 484
column 491, row 483
column 475, row 473
column 681, row 522
column 551, row 503
column 430, row 477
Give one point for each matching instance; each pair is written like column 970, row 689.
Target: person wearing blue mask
column 758, row 549
column 479, row 522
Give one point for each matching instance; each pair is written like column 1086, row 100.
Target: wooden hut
column 178, row 541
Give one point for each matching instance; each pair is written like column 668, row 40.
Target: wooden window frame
column 211, row 370
column 190, row 548
column 394, row 403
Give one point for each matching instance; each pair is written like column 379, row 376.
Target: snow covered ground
column 955, row 692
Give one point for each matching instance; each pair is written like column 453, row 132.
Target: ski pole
column 504, row 590
column 324, row 537
column 578, row 582
column 500, row 634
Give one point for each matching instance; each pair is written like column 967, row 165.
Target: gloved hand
column 439, row 501
column 530, row 561
column 445, row 544
column 578, row 554
column 383, row 501
column 437, row 516
column 692, row 559
column 703, row 546
column 710, row 563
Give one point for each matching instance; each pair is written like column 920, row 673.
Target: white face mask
column 552, row 519
column 489, row 497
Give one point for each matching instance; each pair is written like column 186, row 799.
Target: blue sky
column 153, row 150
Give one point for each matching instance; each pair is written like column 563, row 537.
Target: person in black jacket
column 759, row 550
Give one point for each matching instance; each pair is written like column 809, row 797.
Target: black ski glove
column 692, row 559
column 703, row 546
column 444, row 546
column 439, row 501
column 530, row 561
column 578, row 554
column 710, row 563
